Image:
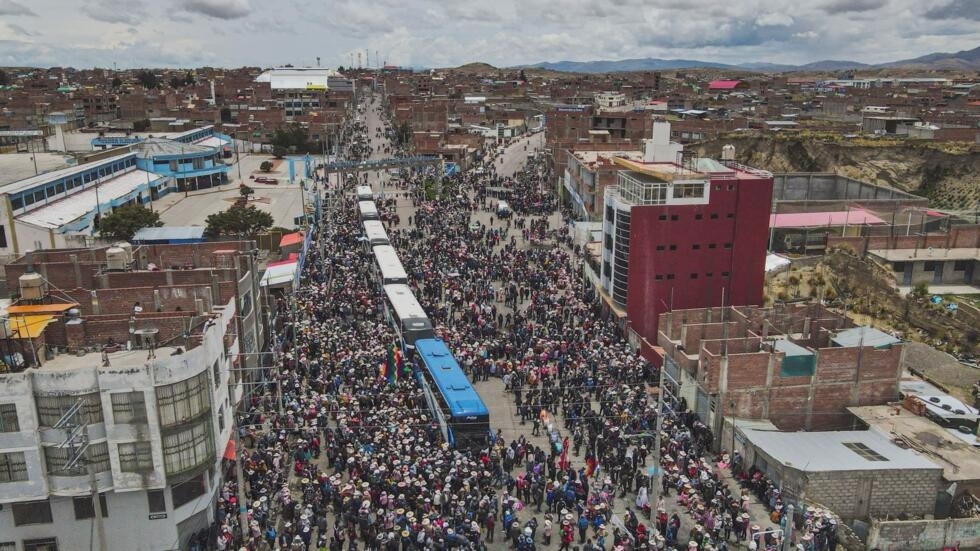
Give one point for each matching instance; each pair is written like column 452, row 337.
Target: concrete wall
column 924, row 535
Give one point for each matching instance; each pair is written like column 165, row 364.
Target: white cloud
column 774, row 20
column 9, row 7
column 219, row 9
column 435, row 33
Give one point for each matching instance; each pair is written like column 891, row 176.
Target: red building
column 683, row 236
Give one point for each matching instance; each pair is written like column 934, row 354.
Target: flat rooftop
column 19, row 166
column 123, row 358
column 959, row 460
column 900, row 255
column 592, row 157
column 852, row 450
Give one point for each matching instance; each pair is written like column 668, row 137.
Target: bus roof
column 387, row 259
column 365, row 192
column 375, row 232
column 367, row 208
column 402, row 299
column 452, row 382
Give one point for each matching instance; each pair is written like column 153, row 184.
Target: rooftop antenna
column 317, row 62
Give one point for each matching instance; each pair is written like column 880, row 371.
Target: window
column 128, row 407
column 156, row 501
column 51, row 408
column 188, row 448
column 662, row 217
column 31, row 512
column 728, row 245
column 658, row 277
column 135, row 457
column 84, row 509
column 958, row 266
column 725, row 274
column 3, row 235
column 670, row 276
column 712, row 245
column 57, row 458
column 185, row 492
column 731, row 187
column 660, row 247
column 39, row 196
column 8, row 546
column 730, row 215
column 13, row 467
column 688, row 191
column 221, row 418
column 216, row 368
column 696, row 246
column 694, row 276
column 16, row 203
column 198, row 163
column 43, row 544
column 698, row 216
column 8, row 418
column 674, row 218
column 183, row 401
column 864, row 451
column 673, row 247
column 173, row 166
column 709, row 274
column 898, row 267
column 60, row 188
column 713, row 216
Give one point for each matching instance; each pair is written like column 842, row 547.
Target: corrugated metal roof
column 168, row 233
column 818, row 219
column 864, row 336
column 826, row 451
column 70, row 209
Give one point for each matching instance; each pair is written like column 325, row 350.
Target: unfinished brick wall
column 95, row 331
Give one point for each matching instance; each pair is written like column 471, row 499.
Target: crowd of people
column 336, row 455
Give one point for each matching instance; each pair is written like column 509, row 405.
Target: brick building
column 149, row 344
column 856, row 474
column 798, row 366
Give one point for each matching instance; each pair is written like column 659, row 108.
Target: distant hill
column 964, row 60
column 627, row 65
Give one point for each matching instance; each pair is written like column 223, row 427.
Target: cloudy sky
column 441, row 33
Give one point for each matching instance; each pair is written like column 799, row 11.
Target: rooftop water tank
column 31, row 286
column 116, row 260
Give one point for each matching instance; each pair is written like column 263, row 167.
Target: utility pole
column 655, row 479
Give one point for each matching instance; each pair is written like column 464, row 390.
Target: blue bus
column 461, row 414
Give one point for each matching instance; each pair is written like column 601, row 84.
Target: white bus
column 406, row 315
column 390, row 268
column 375, row 234
column 364, row 193
column 368, row 210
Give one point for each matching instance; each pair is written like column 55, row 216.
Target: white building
column 156, row 430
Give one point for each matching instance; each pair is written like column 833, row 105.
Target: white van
column 503, row 209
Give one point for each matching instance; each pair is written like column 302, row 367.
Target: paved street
column 503, row 412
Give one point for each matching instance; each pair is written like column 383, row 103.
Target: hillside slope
column 949, row 180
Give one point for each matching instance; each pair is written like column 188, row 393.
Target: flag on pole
column 399, row 367
column 391, row 367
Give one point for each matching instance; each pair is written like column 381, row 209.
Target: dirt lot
column 942, row 369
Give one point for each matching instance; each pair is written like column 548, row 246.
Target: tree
column 522, row 77
column 245, row 191
column 242, row 220
column 4, row 79
column 279, row 151
column 123, row 223
column 292, row 137
column 116, row 82
column 147, row 79
column 266, row 166
column 226, row 114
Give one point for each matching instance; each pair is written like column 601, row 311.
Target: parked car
column 264, row 180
